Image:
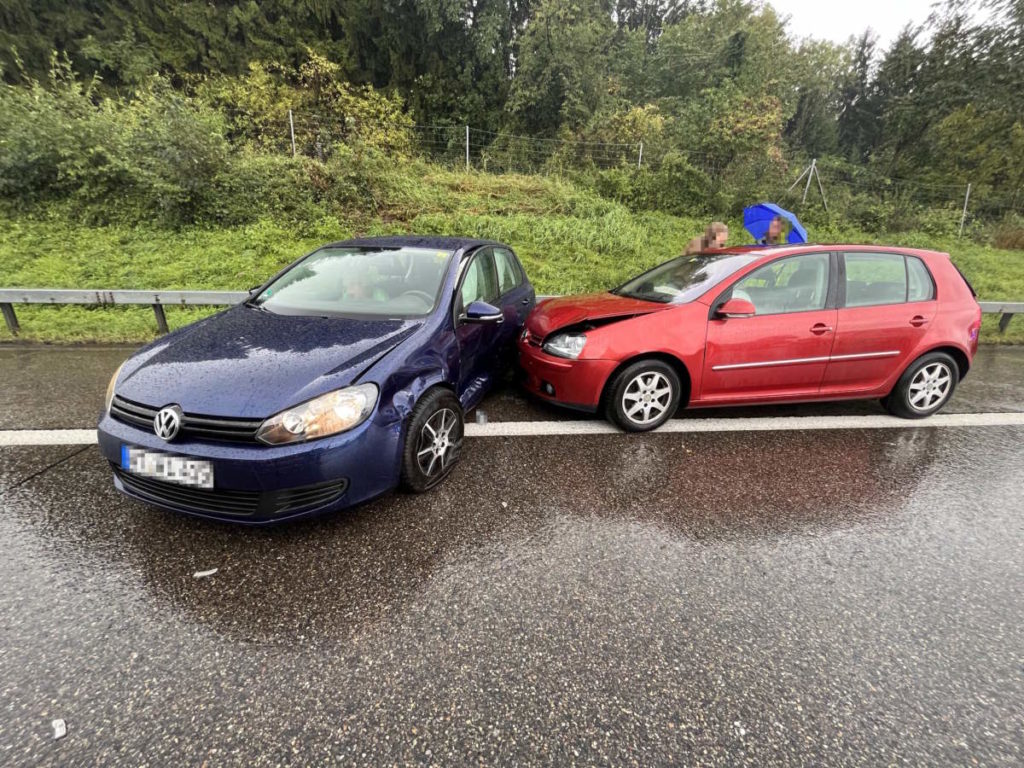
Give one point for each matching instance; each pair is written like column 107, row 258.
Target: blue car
column 343, row 377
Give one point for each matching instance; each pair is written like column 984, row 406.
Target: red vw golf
column 759, row 325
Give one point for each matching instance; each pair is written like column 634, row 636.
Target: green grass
column 569, row 239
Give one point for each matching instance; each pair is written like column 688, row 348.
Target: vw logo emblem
column 167, row 422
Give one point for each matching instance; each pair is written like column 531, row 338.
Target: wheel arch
column 677, row 365
column 963, row 362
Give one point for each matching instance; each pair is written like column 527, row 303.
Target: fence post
column 10, row 317
column 811, row 171
column 963, row 216
column 467, row 147
column 640, row 157
column 291, row 125
column 161, row 318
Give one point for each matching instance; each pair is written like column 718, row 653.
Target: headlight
column 566, row 345
column 110, row 387
column 328, row 414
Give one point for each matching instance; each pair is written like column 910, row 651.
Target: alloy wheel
column 436, row 447
column 930, row 386
column 646, row 397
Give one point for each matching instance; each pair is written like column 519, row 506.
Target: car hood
column 250, row 363
column 564, row 311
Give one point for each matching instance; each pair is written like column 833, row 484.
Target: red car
column 759, row 325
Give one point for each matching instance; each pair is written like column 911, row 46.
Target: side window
column 794, row 284
column 508, row 270
column 480, row 282
column 875, row 278
column 920, row 286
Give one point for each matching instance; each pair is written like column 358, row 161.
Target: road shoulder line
column 29, row 437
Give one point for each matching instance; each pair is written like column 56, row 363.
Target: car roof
column 791, row 248
column 414, row 241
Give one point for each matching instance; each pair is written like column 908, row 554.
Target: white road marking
column 47, row 437
column 23, row 437
column 755, row 424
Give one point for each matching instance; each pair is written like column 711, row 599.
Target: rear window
column 919, row 281
column 874, row 279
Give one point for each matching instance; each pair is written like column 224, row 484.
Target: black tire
column 643, row 379
column 926, row 386
column 437, row 411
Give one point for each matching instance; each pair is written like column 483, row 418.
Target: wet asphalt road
column 796, row 598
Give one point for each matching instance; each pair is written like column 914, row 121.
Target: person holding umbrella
column 773, row 236
column 766, row 223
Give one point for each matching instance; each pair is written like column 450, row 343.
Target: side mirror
column 736, row 308
column 482, row 312
column 254, row 289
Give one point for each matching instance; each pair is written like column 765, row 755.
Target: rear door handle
column 820, row 328
column 917, row 321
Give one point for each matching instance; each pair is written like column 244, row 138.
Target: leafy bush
column 1009, row 233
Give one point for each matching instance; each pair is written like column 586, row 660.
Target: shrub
column 1009, row 233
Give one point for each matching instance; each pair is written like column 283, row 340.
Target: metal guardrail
column 160, row 299
column 156, row 299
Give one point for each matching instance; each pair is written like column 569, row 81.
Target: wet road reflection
column 828, row 597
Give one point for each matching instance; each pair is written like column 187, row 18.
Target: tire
column 926, row 386
column 640, row 388
column 433, row 441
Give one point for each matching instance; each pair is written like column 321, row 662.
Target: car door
column 479, row 343
column 886, row 304
column 517, row 294
column 782, row 350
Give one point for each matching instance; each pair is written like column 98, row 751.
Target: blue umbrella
column 756, row 219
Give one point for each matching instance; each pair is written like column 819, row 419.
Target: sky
column 836, row 20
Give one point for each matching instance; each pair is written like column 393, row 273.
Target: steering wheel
column 427, row 298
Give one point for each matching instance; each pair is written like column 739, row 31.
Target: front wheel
column 643, row 396
column 433, row 441
column 924, row 387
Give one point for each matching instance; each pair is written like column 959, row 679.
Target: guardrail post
column 161, row 318
column 10, row 318
column 1004, row 321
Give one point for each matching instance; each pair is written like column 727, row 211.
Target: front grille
column 533, row 341
column 192, row 424
column 241, row 504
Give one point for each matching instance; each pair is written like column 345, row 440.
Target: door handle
column 917, row 321
column 820, row 328
column 524, row 302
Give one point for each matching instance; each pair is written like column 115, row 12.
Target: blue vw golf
column 343, row 377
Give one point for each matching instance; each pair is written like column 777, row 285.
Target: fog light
column 547, row 389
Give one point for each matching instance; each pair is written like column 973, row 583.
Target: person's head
column 716, row 235
column 775, row 230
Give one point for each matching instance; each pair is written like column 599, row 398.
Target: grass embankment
column 569, row 239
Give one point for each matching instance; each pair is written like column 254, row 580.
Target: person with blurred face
column 714, row 238
column 774, row 234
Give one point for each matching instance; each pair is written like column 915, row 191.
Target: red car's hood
column 557, row 313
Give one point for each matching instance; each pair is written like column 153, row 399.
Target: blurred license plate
column 165, row 466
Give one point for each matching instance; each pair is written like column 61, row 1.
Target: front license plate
column 166, row 466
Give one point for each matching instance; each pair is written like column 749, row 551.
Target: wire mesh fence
column 470, row 148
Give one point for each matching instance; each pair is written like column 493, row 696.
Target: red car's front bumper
column 571, row 383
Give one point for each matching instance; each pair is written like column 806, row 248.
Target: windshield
column 379, row 282
column 685, row 278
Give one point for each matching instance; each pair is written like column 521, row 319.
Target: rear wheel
column 924, row 387
column 643, row 396
column 433, row 442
